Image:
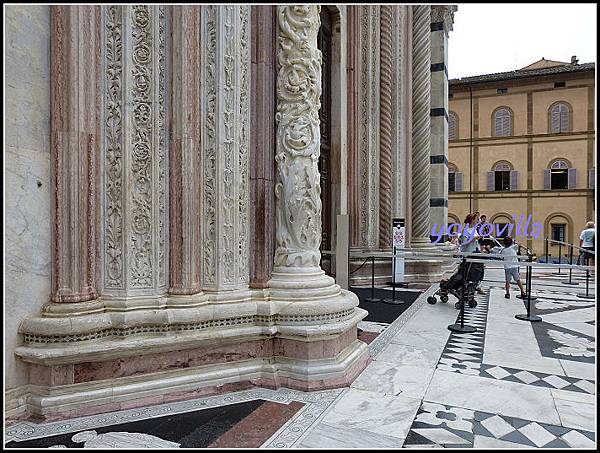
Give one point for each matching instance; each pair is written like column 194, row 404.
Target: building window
column 559, row 84
column 560, row 176
column 455, row 179
column 452, row 126
column 502, row 122
column 503, row 178
column 558, row 231
column 560, row 115
column 502, row 90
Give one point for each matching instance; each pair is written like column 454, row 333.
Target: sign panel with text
column 398, row 241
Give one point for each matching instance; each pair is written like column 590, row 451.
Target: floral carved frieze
column 226, row 141
column 134, row 187
column 297, row 184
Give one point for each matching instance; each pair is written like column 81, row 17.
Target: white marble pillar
column 225, row 121
column 441, row 23
column 369, row 131
column 421, row 134
column 135, row 167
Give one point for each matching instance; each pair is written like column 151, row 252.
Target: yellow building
column 522, row 143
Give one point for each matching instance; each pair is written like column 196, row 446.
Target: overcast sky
column 490, row 38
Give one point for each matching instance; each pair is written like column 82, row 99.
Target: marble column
column 262, row 144
column 421, row 134
column 400, row 108
column 386, row 125
column 185, row 174
column 75, row 149
column 353, row 121
column 369, row 130
column 135, row 221
column 441, row 24
column 225, row 122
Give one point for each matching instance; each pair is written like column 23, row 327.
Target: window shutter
column 490, row 181
column 498, row 124
column 452, row 126
column 592, row 178
column 572, row 178
column 506, row 124
column 514, row 180
column 564, row 118
column 547, row 179
column 555, row 119
column 458, row 182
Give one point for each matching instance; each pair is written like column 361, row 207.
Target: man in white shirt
column 587, row 239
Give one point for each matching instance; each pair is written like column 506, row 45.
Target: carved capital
column 444, row 13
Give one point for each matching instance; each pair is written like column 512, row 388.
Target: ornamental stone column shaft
column 421, row 135
column 385, row 121
column 135, row 220
column 225, row 122
column 184, row 151
column 75, row 148
column 441, row 23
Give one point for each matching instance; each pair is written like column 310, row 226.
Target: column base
column 427, row 269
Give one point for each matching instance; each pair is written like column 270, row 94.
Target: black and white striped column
column 442, row 17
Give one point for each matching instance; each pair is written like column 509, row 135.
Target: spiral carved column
column 421, row 138
column 385, row 119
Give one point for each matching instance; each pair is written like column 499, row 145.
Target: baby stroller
column 462, row 284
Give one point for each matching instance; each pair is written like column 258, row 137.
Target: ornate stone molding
column 75, row 145
column 399, row 112
column 444, row 13
column 421, row 135
column 225, row 119
column 297, row 185
column 369, row 126
column 134, row 190
column 184, row 140
column 386, row 126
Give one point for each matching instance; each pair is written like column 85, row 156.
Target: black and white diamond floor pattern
column 464, row 351
column 504, row 373
column 464, row 354
column 437, row 425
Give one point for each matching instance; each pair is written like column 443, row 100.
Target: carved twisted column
column 386, row 130
column 135, row 255
column 421, row 136
column 75, row 148
column 226, row 141
column 297, row 188
column 184, row 151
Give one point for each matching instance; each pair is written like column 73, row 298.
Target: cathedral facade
column 185, row 182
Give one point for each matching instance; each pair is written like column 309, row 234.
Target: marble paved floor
column 510, row 384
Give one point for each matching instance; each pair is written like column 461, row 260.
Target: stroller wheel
column 444, row 298
column 457, row 305
column 431, row 300
column 472, row 304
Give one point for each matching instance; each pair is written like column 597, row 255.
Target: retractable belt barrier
column 478, row 257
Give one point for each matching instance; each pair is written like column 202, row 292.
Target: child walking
column 511, row 265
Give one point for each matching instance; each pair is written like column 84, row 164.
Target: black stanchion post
column 461, row 328
column 570, row 282
column 559, row 257
column 587, row 294
column 546, row 247
column 528, row 316
column 372, row 298
column 393, row 299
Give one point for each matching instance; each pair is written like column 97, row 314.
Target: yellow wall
column 576, row 147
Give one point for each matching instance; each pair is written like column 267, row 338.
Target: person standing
column 511, row 265
column 587, row 240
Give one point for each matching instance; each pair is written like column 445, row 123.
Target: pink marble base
column 55, row 376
